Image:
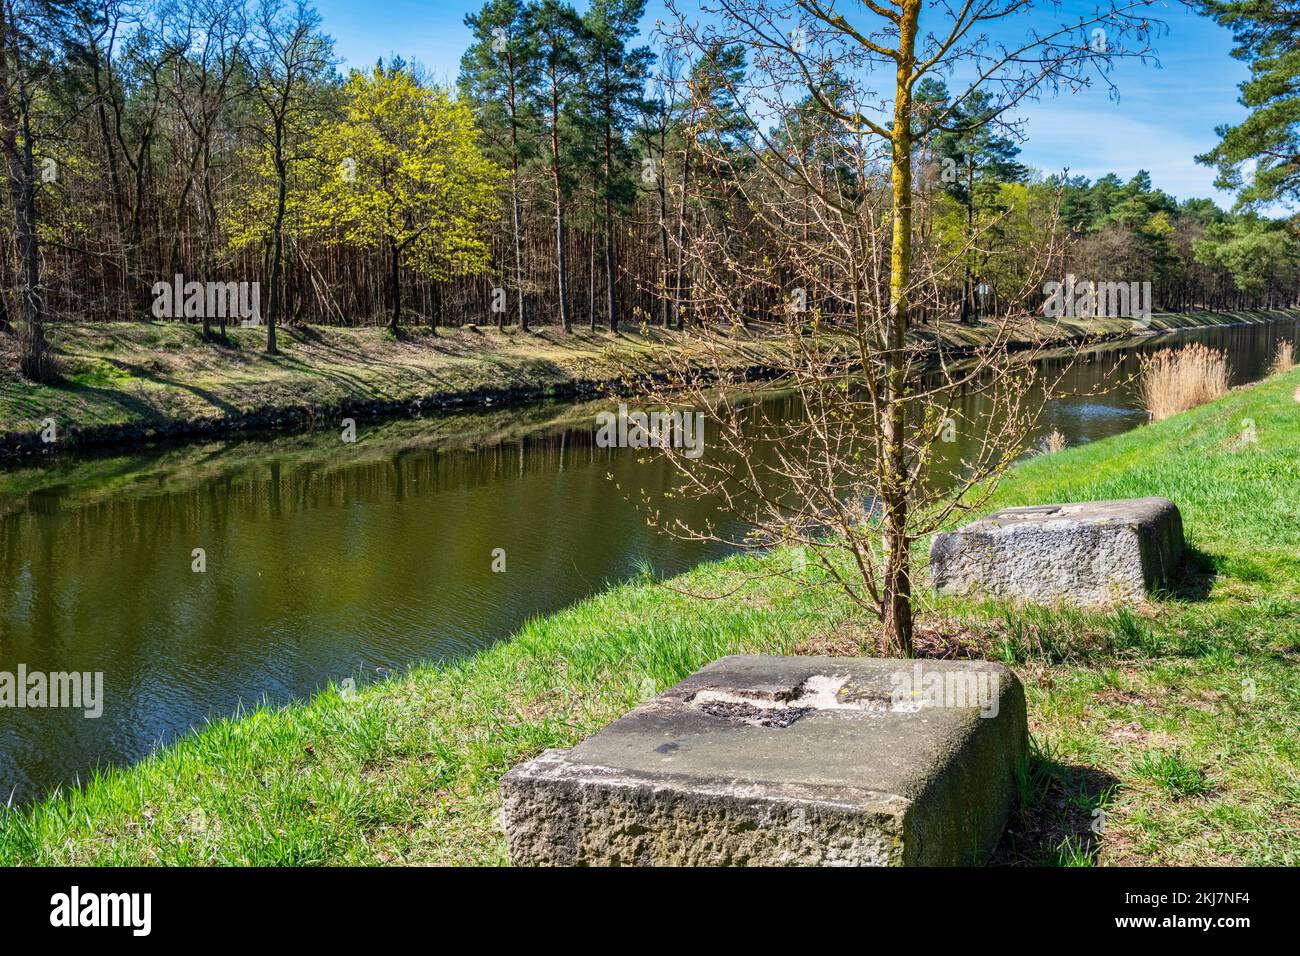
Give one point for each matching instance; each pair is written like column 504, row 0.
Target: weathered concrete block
column 1091, row 553
column 785, row 760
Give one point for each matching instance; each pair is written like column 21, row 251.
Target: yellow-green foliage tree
column 401, row 172
column 997, row 238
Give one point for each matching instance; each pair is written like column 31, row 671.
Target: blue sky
column 1165, row 115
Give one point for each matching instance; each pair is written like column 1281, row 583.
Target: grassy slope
column 127, row 374
column 1144, row 714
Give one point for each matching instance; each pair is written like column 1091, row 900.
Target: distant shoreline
column 137, row 384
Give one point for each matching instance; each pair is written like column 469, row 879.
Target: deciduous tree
column 402, row 171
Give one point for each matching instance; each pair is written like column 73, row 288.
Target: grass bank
column 130, row 382
column 1178, row 722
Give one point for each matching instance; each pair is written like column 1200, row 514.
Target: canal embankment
column 124, row 384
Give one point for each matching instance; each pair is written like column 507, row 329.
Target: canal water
column 327, row 560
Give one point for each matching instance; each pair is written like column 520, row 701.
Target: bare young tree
column 287, row 54
column 127, row 60
column 205, row 36
column 861, row 473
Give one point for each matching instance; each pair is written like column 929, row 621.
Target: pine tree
column 1259, row 158
column 497, row 73
column 975, row 159
column 612, row 97
column 559, row 34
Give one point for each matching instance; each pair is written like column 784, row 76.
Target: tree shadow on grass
column 306, row 333
column 1061, row 817
column 110, row 396
column 223, row 340
column 146, row 374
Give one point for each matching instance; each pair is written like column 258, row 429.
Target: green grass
column 1164, row 735
column 1172, row 773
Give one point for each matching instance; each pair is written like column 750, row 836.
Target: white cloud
column 1122, row 140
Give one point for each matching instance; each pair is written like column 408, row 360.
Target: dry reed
column 1174, row 381
column 1284, row 358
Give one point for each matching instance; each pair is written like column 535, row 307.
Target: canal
column 325, row 560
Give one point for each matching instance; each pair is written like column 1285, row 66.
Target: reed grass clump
column 1174, row 381
column 1283, row 358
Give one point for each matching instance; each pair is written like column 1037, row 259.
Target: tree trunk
column 277, row 249
column 611, row 298
column 666, row 302
column 679, row 273
column 561, row 260
column 519, row 261
column 897, row 617
column 394, row 285
column 34, row 357
column 611, row 290
column 591, row 260
column 968, row 280
column 515, row 213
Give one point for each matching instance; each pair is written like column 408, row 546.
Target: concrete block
column 785, row 761
column 1091, row 553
